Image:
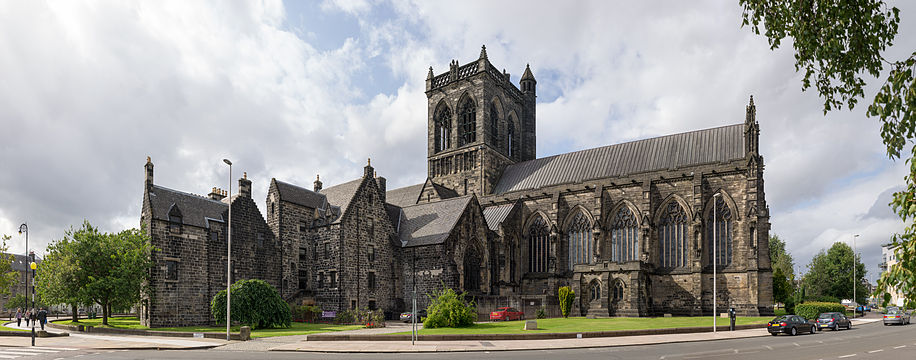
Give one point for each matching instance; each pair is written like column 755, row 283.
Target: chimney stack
column 245, row 186
column 317, row 183
column 217, row 194
column 382, row 183
column 368, row 170
column 149, row 173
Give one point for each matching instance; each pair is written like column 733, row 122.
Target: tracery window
column 494, row 125
column 580, row 241
column 538, row 234
column 624, row 236
column 467, row 121
column 510, row 139
column 594, row 291
column 672, row 236
column 443, row 124
column 618, row 290
column 719, row 230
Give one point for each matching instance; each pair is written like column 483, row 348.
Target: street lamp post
column 229, row 256
column 25, row 229
column 854, row 274
column 715, row 255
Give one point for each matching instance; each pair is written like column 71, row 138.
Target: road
column 866, row 341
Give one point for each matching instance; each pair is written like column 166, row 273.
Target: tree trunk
column 104, row 313
column 73, row 313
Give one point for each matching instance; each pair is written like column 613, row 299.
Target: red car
column 506, row 314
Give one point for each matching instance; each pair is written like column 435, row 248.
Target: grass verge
column 579, row 324
column 4, row 328
column 296, row 328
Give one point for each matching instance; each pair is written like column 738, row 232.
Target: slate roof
column 21, row 262
column 299, row 195
column 340, row 196
column 699, row 147
column 495, row 215
column 195, row 209
column 430, row 223
column 404, row 196
column 395, row 215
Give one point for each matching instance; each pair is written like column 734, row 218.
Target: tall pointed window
column 624, row 236
column 494, row 125
column 471, row 269
column 720, row 219
column 443, row 124
column 467, row 121
column 538, row 234
column 672, row 236
column 510, row 139
column 580, row 241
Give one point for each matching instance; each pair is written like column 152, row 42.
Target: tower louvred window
column 467, row 121
column 443, row 124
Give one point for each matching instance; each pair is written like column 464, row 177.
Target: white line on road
column 796, row 344
column 901, row 346
column 874, row 351
column 768, row 347
column 8, row 356
column 846, row 356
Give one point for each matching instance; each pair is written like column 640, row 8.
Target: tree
column 567, row 295
column 829, row 276
column 837, row 43
column 59, row 280
column 8, row 277
column 255, row 303
column 449, row 309
column 783, row 271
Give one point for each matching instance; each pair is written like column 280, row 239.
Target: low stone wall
column 38, row 333
column 141, row 332
column 533, row 336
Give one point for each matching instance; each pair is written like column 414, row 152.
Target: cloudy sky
column 88, row 90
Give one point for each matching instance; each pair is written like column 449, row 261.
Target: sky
column 289, row 90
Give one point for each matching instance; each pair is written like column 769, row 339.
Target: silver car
column 896, row 316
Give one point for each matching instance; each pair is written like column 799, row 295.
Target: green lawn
column 578, row 324
column 4, row 328
column 296, row 328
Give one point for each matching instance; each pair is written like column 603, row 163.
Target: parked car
column 833, row 321
column 506, row 314
column 406, row 316
column 790, row 324
column 896, row 316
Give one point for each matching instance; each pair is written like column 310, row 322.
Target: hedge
column 810, row 310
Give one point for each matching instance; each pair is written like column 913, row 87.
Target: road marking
column 874, row 351
column 8, row 357
column 53, row 348
column 901, row 346
column 846, row 356
column 29, row 350
column 768, row 347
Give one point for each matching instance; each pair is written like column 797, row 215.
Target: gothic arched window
column 719, row 229
column 580, row 241
column 510, row 138
column 594, row 291
column 467, row 122
column 672, row 236
column 618, row 290
column 538, row 234
column 443, row 123
column 494, row 125
column 471, row 270
column 624, row 236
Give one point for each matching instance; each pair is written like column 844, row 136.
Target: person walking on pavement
column 18, row 317
column 28, row 317
column 42, row 317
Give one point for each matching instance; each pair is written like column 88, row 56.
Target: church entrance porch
column 611, row 289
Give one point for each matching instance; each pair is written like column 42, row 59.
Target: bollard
column 531, row 325
column 245, row 333
column 731, row 316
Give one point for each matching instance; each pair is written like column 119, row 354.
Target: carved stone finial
column 430, row 75
column 317, row 177
column 245, row 175
column 148, row 160
column 483, row 52
column 368, row 161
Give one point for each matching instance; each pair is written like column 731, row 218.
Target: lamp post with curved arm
column 25, row 229
column 229, row 256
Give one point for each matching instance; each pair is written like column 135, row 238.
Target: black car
column 834, row 321
column 790, row 324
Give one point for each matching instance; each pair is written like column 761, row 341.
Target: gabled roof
column 404, row 196
column 430, row 223
column 195, row 209
column 299, row 195
column 495, row 215
column 340, row 196
column 21, row 262
column 721, row 144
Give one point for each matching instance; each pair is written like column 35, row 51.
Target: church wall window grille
column 171, row 270
column 672, row 236
column 581, row 243
column 538, row 234
column 723, row 234
column 467, row 121
column 624, row 236
column 443, row 125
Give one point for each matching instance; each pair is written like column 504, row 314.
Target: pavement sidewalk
column 108, row 342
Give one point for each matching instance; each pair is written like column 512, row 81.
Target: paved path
column 106, row 341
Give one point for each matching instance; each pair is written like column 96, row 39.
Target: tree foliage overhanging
column 830, row 275
column 837, row 44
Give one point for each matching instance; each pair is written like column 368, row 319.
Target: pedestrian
column 42, row 317
column 28, row 317
column 18, row 317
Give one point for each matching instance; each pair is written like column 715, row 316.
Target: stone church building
column 630, row 227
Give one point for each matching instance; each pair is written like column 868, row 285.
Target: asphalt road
column 866, row 341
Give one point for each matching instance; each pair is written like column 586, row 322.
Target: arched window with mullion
column 624, row 236
column 467, row 121
column 720, row 219
column 581, row 243
column 538, row 233
column 494, row 125
column 443, row 124
column 672, row 234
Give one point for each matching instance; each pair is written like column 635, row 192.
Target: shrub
column 306, row 313
column 255, row 303
column 542, row 313
column 790, row 306
column 567, row 296
column 345, row 317
column 449, row 309
column 810, row 310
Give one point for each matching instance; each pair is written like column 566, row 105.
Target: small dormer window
column 175, row 220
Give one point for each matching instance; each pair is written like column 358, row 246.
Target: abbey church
column 634, row 228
